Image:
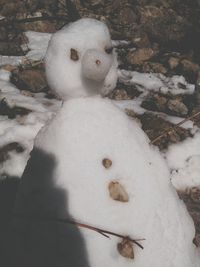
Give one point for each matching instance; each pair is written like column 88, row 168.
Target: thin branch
column 103, row 232
column 171, row 129
column 31, row 19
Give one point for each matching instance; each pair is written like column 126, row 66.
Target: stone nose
column 96, row 64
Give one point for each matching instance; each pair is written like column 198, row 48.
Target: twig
column 168, row 130
column 103, row 232
column 31, row 19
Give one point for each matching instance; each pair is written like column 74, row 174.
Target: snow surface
column 92, row 72
column 22, row 129
column 157, row 82
column 184, row 160
column 85, row 131
column 37, row 44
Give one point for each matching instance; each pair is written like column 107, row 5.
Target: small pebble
column 107, row 163
column 74, row 54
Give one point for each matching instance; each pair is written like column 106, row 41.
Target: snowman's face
column 79, row 58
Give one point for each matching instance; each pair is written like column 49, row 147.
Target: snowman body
column 80, row 157
column 83, row 133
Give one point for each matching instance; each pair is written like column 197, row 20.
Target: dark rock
column 173, row 62
column 162, row 24
column 154, row 67
column 155, row 102
column 127, row 16
column 176, row 107
column 140, row 55
column 32, row 80
column 12, row 112
column 124, row 92
column 4, row 151
column 154, row 126
column 10, row 49
column 140, row 39
column 191, row 198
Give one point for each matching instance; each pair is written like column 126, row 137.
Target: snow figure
column 93, row 165
column 80, row 60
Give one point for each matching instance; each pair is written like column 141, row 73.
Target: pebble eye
column 74, row 54
column 109, row 50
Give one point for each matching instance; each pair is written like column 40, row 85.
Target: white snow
column 157, row 82
column 184, row 160
column 22, row 129
column 37, row 43
column 85, row 131
column 66, row 75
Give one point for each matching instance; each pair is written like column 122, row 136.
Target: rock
column 4, row 151
column 124, row 92
column 173, row 62
column 189, row 66
column 95, row 2
column 155, row 125
column 177, row 107
column 140, row 55
column 125, row 248
column 155, row 102
column 127, row 16
column 32, row 80
column 8, row 67
column 161, row 103
column 131, row 113
column 39, row 26
column 154, row 67
column 107, row 163
column 12, row 112
column 195, row 194
column 10, row 49
column 117, row 192
column 191, row 198
column 120, row 95
column 163, row 24
column 141, row 39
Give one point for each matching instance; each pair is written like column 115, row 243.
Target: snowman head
column 80, row 60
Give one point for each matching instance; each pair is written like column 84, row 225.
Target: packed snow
column 22, row 129
column 85, row 54
column 87, row 130
column 37, row 44
column 184, row 161
column 83, row 133
column 157, row 82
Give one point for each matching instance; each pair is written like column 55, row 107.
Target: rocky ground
column 161, row 37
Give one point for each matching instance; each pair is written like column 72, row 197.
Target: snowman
column 93, row 166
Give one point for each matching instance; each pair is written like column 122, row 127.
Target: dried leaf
column 125, row 248
column 117, row 192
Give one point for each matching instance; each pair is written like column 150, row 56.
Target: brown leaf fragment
column 74, row 54
column 118, row 192
column 125, row 248
column 107, row 163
